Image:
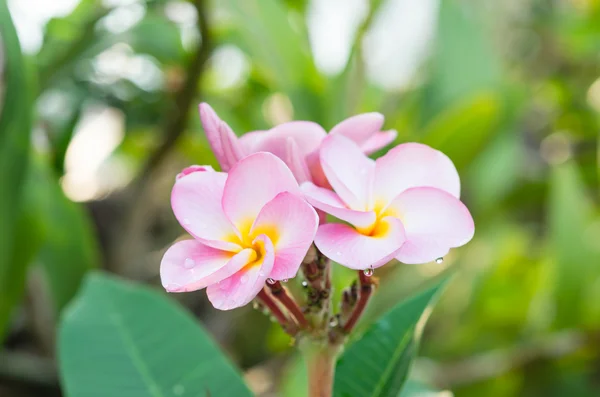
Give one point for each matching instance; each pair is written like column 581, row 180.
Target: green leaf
column 377, row 364
column 570, row 217
column 15, row 129
column 462, row 130
column 119, row 339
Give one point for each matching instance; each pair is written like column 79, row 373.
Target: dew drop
column 189, row 263
column 369, row 272
column 270, row 281
column 244, row 279
column 439, row 260
column 261, row 273
column 305, row 284
column 339, row 253
column 172, row 287
column 186, row 221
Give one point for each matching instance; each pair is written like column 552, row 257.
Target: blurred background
column 99, row 113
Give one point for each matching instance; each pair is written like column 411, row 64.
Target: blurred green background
column 98, row 113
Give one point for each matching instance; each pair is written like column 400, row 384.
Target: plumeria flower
column 248, row 226
column 404, row 205
column 296, row 142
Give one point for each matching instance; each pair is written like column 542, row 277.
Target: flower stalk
column 286, row 323
column 367, row 285
column 320, row 359
column 280, row 293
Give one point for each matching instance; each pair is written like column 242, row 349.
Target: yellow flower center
column 247, row 236
column 380, row 228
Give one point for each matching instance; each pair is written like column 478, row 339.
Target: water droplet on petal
column 439, row 260
column 339, row 253
column 244, row 279
column 270, row 281
column 189, row 263
column 369, row 272
column 186, row 221
column 305, row 284
column 172, row 287
column 261, row 273
column 178, row 390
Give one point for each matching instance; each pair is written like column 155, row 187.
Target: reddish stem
column 366, row 289
column 281, row 318
column 280, row 293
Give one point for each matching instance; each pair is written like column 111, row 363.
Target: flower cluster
column 255, row 222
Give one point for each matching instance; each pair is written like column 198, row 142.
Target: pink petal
column 291, row 223
column 295, row 160
column 239, row 289
column 378, row 140
column 348, row 247
column 307, row 135
column 328, row 201
column 250, row 141
column 313, row 161
column 196, row 202
column 412, row 165
column 221, row 138
column 190, row 265
column 359, row 128
column 252, row 183
column 349, row 171
column 194, row 168
column 434, row 220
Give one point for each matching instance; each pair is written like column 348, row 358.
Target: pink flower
column 296, row 142
column 404, row 205
column 248, row 226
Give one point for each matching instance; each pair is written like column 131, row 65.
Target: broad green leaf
column 15, row 129
column 570, row 215
column 462, row 130
column 377, row 364
column 464, row 62
column 120, row 339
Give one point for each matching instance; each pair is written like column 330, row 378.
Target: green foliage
column 126, row 340
column 377, row 364
column 573, row 242
column 464, row 62
column 15, row 127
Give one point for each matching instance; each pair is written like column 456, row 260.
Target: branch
column 28, row 369
column 184, row 97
